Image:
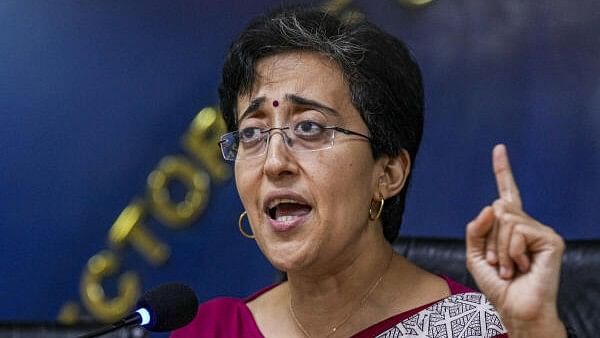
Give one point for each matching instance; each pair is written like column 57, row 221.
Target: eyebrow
column 254, row 105
column 295, row 99
column 302, row 101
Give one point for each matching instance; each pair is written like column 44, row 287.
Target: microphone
column 164, row 308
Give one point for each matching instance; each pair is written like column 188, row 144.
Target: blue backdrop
column 94, row 94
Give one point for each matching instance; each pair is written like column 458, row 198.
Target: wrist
column 542, row 321
column 549, row 328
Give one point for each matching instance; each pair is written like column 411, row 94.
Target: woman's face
column 306, row 209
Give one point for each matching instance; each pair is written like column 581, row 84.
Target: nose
column 278, row 159
column 285, row 139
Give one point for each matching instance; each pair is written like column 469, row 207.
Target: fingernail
column 491, row 257
column 505, row 272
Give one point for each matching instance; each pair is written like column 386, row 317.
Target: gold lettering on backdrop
column 344, row 9
column 177, row 214
column 347, row 11
column 129, row 228
column 335, row 6
column 69, row 313
column 200, row 141
column 415, row 3
column 100, row 266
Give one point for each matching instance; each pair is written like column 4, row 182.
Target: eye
column 251, row 134
column 308, row 129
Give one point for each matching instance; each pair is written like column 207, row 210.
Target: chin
column 287, row 257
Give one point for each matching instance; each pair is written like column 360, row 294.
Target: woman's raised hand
column 515, row 259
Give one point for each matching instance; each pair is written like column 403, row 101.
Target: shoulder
column 473, row 310
column 456, row 314
column 455, row 287
column 466, row 303
column 224, row 317
column 222, row 306
column 220, row 317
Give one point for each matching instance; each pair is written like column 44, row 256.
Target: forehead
column 304, row 74
column 294, row 63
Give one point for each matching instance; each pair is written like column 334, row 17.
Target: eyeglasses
column 304, row 136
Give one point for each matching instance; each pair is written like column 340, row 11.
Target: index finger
column 507, row 187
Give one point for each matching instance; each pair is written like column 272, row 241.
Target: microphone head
column 171, row 306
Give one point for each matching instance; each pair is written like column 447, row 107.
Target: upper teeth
column 278, row 201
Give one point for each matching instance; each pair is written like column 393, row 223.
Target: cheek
column 244, row 184
column 344, row 169
column 343, row 185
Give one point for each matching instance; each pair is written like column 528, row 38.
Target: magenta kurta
column 227, row 317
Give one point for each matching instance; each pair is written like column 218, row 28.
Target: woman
column 325, row 121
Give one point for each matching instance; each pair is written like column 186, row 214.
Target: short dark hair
column 384, row 79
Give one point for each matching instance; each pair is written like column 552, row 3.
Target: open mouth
column 286, row 210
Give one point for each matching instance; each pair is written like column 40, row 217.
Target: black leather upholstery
column 579, row 295
column 57, row 330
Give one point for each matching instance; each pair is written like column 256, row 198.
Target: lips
column 286, row 210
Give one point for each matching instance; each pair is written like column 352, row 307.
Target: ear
column 395, row 171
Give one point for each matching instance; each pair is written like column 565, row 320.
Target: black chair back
column 579, row 294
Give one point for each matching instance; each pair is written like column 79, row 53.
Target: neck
column 325, row 304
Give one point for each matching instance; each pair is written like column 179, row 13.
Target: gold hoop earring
column 378, row 213
column 241, row 226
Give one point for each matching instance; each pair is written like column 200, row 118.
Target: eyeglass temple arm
column 350, row 132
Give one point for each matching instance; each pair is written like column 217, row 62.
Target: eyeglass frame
column 285, row 137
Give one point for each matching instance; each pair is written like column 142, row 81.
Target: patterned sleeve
column 461, row 315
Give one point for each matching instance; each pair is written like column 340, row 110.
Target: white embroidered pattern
column 465, row 315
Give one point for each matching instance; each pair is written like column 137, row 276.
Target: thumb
column 477, row 232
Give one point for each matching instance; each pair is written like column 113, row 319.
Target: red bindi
column 275, row 103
